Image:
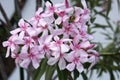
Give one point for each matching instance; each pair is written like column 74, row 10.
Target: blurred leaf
column 101, row 14
column 100, row 26
column 84, row 76
column 40, row 70
column 111, row 75
column 118, row 2
column 49, row 72
column 109, row 6
column 76, row 74
column 62, row 74
column 108, row 36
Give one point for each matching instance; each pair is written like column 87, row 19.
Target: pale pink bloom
column 15, row 54
column 53, row 8
column 32, row 31
column 28, row 43
column 33, row 56
column 35, row 20
column 59, row 44
column 93, row 58
column 62, row 17
column 44, row 47
column 76, row 59
column 12, row 44
column 59, row 57
column 23, row 27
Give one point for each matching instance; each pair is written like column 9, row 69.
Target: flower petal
column 70, row 66
column 64, row 48
column 52, row 61
column 35, row 63
column 80, row 67
column 25, row 63
column 62, row 64
column 15, row 31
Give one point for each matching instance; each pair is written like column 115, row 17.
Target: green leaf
column 109, row 7
column 76, row 74
column 101, row 14
column 112, row 77
column 39, row 72
column 100, row 26
column 62, row 74
column 118, row 2
column 108, row 36
column 49, row 72
column 84, row 76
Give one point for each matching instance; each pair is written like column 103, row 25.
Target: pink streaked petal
column 56, row 54
column 32, row 32
column 35, row 63
column 24, row 49
column 80, row 67
column 5, row 43
column 53, row 47
column 12, row 47
column 66, row 40
column 39, row 11
column 48, row 39
column 70, row 66
column 62, row 64
column 52, row 61
column 48, row 4
column 21, row 35
column 56, row 38
column 25, row 63
column 58, row 20
column 64, row 48
column 8, row 52
column 91, row 59
column 21, row 22
column 42, row 22
column 15, row 31
column 19, row 42
column 65, row 18
column 24, row 55
column 58, row 32
column 85, row 44
column 66, row 4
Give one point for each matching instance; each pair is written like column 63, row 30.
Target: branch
column 5, row 15
column 38, row 4
column 17, row 8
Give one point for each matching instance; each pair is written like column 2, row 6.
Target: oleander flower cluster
column 58, row 33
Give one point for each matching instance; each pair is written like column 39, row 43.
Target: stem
column 21, row 74
column 109, row 54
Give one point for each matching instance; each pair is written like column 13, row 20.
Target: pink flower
column 44, row 47
column 23, row 27
column 58, row 57
column 33, row 56
column 59, row 44
column 76, row 59
column 62, row 17
column 12, row 44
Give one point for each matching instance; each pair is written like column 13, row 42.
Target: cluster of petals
column 58, row 33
